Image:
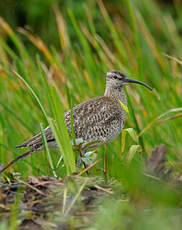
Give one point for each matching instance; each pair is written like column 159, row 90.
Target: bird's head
column 117, row 79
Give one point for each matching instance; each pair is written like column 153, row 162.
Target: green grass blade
column 47, row 150
column 60, row 131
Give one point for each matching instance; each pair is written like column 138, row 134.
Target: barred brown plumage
column 97, row 119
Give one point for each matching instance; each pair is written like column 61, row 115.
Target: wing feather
column 90, row 117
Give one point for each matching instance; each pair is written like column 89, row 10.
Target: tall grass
column 130, row 45
column 141, row 40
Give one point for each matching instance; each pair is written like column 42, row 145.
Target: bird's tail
column 16, row 159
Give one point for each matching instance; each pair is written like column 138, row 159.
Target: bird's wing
column 95, row 112
column 36, row 141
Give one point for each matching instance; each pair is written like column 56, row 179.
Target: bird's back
column 98, row 119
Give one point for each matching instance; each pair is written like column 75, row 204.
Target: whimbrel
column 97, row 121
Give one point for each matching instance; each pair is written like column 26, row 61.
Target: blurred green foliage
column 39, row 16
column 91, row 40
column 70, row 47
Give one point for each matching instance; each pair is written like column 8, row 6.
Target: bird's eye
column 115, row 77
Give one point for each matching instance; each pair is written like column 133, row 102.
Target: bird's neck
column 116, row 94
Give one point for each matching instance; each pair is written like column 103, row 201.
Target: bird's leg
column 105, row 163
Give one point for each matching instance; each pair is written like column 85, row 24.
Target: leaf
column 133, row 134
column 88, row 154
column 78, row 141
column 87, row 160
column 123, row 138
column 131, row 153
column 124, row 106
column 87, row 157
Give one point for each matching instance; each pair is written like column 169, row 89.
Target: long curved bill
column 128, row 80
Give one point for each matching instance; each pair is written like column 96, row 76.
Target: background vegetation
column 69, row 46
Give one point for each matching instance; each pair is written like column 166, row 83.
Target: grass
column 138, row 43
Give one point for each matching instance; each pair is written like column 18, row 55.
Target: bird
column 97, row 121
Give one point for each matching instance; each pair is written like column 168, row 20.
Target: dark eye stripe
column 115, row 77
